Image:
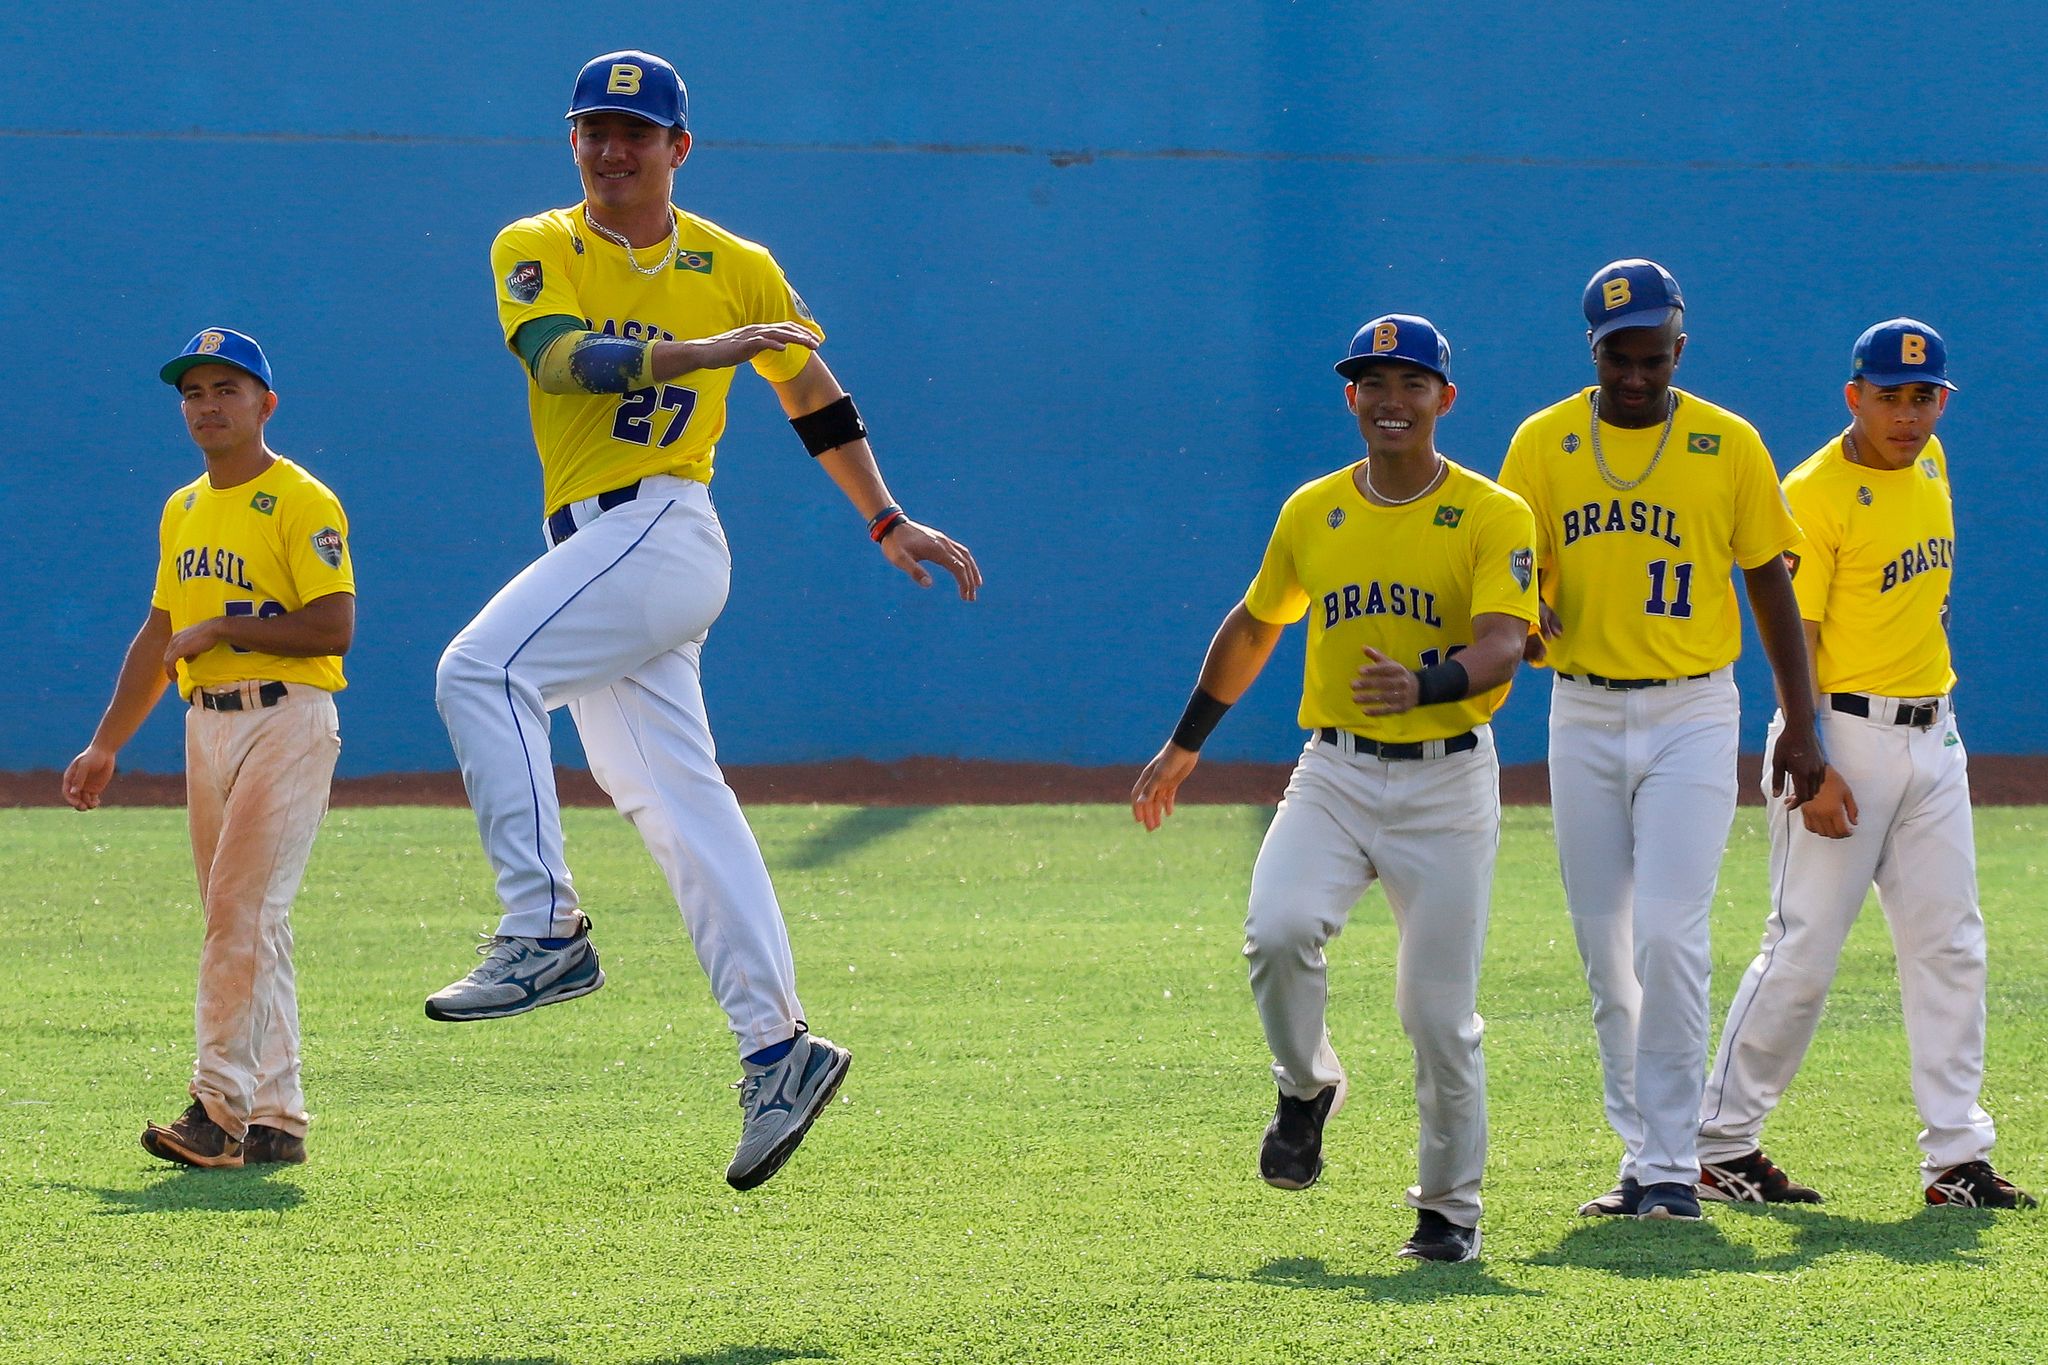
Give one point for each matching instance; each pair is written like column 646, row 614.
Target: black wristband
column 1442, row 682
column 830, row 427
column 1198, row 720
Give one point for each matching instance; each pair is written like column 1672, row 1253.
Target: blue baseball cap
column 1631, row 293
column 631, row 82
column 218, row 346
column 1901, row 351
column 1398, row 336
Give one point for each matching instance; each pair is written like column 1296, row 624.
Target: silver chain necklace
column 1434, row 479
column 619, row 239
column 1600, row 458
column 1849, row 442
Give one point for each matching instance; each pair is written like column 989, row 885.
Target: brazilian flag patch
column 697, row 261
column 266, row 503
column 1447, row 515
column 1702, row 443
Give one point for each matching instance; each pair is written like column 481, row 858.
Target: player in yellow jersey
column 1872, row 571
column 1416, row 578
column 1646, row 499
column 630, row 315
column 253, row 608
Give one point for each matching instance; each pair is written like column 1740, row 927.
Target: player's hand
column 1548, row 623
column 741, row 344
column 1384, row 687
column 1533, row 649
column 191, row 642
column 1152, row 797
column 911, row 542
column 1796, row 759
column 1832, row 812
column 87, row 777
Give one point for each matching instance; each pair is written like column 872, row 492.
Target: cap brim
column 175, row 371
column 1892, row 381
column 1354, row 365
column 640, row 114
column 1648, row 317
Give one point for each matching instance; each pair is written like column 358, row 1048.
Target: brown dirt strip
column 1995, row 780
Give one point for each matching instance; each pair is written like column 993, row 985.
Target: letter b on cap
column 1614, row 293
column 1913, row 349
column 1385, row 337
column 625, row 80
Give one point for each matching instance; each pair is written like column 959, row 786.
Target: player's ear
column 1351, row 396
column 269, row 403
column 1446, row 398
column 1940, row 401
column 1677, row 350
column 680, row 151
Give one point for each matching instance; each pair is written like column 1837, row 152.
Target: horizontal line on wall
column 1085, row 156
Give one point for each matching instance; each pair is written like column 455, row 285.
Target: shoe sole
column 162, row 1144
column 447, row 1016
column 1281, row 1182
column 1660, row 1214
column 779, row 1155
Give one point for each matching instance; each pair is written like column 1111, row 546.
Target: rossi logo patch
column 327, row 544
column 1522, row 564
column 1336, row 517
column 1703, row 443
column 266, row 503
column 698, row 261
column 803, row 310
column 523, row 283
column 1447, row 515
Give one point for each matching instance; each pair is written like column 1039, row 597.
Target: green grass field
column 1044, row 1152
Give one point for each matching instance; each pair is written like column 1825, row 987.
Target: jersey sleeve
column 530, row 262
column 771, row 298
column 1763, row 520
column 166, row 571
column 1812, row 559
column 1276, row 595
column 1519, row 476
column 1504, row 568
column 316, row 546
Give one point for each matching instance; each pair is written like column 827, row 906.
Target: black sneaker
column 1974, row 1185
column 1437, row 1238
column 1669, row 1199
column 263, row 1145
column 193, row 1139
column 1752, row 1179
column 1620, row 1202
column 1291, row 1157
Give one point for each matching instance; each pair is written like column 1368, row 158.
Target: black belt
column 1359, row 744
column 1900, row 712
column 270, row 694
column 1629, row 684
column 562, row 522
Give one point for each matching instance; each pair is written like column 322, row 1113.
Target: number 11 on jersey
column 1679, row 604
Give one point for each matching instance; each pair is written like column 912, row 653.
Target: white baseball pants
column 1915, row 842
column 256, row 785
column 1427, row 830
column 611, row 623
column 1642, row 792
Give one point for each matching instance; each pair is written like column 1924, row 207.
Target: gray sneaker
column 780, row 1102
column 517, row 975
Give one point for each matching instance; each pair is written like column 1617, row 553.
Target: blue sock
column 769, row 1056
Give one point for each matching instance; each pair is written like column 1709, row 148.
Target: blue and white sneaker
column 517, row 975
column 1669, row 1200
column 780, row 1101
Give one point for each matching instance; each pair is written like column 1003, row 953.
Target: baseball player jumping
column 630, row 316
column 254, row 607
column 1415, row 574
column 1872, row 573
column 1646, row 498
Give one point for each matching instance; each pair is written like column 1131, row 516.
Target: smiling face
column 1397, row 405
column 1893, row 425
column 1635, row 366
column 225, row 407
column 628, row 165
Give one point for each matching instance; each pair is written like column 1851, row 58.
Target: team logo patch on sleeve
column 327, row 544
column 796, row 301
column 1336, row 517
column 266, row 503
column 523, row 283
column 1447, row 515
column 698, row 261
column 1522, row 564
column 1571, row 442
column 1703, row 443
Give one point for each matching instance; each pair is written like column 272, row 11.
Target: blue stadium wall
column 1085, row 266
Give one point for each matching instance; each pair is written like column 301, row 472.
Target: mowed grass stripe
column 1044, row 1152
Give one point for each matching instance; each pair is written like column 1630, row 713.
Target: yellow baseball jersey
column 1406, row 580
column 712, row 282
column 1642, row 578
column 261, row 548
column 1873, row 567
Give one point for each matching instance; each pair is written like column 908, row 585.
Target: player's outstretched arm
column 1238, row 652
column 907, row 544
column 1797, row 757
column 136, row 690
column 1385, row 687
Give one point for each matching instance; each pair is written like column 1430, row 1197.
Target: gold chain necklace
column 1600, row 459
column 619, row 239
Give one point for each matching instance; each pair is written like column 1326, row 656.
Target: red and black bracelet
column 885, row 521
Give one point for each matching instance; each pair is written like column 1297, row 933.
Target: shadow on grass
column 730, row 1355
column 1405, row 1282
column 849, row 832
column 249, row 1189
column 1623, row 1246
